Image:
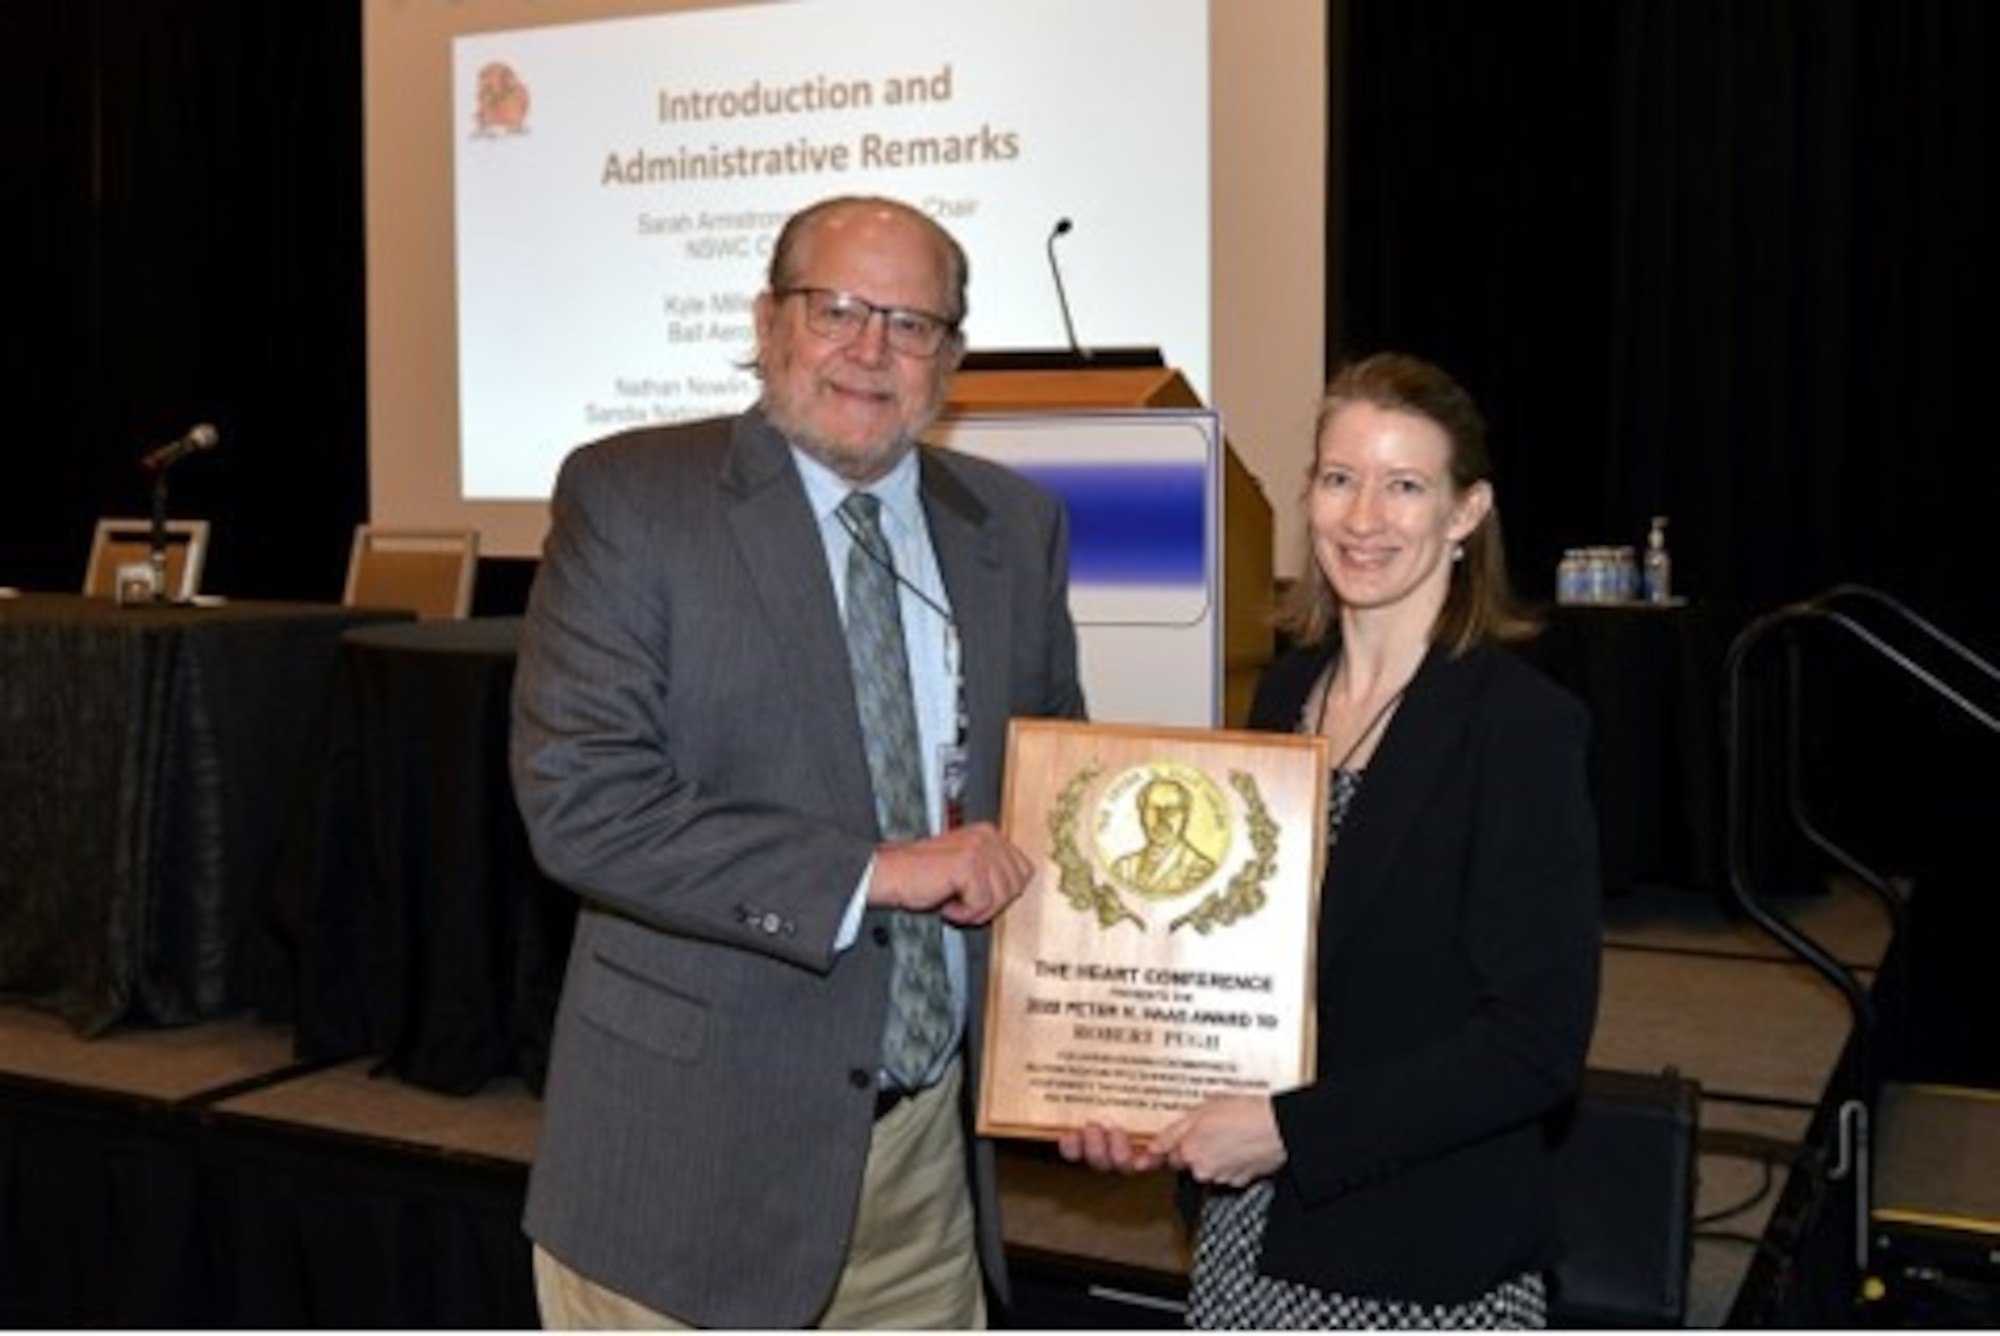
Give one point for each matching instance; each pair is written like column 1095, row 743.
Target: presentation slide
column 571, row 203
column 620, row 185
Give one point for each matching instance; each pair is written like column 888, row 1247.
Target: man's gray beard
column 856, row 464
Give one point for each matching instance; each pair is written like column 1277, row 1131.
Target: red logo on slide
column 503, row 101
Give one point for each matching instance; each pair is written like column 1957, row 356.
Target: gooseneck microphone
column 202, row 436
column 1062, row 228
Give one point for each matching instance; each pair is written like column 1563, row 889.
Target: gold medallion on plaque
column 1162, row 830
column 1160, row 834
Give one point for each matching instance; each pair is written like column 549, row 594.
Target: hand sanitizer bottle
column 1659, row 564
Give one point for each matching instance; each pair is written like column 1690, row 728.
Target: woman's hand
column 1231, row 1141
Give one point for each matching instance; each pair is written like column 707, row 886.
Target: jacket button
column 859, row 1079
column 881, row 935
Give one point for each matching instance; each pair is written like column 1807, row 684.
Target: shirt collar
column 826, row 489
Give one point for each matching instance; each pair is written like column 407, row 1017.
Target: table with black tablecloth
column 424, row 932
column 149, row 754
column 1653, row 679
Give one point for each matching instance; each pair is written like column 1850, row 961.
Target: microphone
column 200, row 437
column 1062, row 228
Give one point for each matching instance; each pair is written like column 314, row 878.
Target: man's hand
column 1231, row 1140
column 1109, row 1150
column 968, row 874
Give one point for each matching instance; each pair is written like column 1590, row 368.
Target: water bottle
column 1624, row 574
column 1572, row 575
column 1599, row 579
column 1659, row 564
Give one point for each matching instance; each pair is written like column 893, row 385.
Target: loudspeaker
column 1625, row 1187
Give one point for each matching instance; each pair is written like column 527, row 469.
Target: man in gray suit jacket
column 721, row 1146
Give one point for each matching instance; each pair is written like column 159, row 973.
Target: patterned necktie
column 919, row 991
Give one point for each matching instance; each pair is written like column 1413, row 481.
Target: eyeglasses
column 841, row 317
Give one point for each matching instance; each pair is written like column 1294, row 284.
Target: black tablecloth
column 420, row 926
column 148, row 755
column 1653, row 679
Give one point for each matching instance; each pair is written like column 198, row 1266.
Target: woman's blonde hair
column 1480, row 605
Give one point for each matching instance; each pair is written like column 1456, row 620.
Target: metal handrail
column 1832, row 608
column 1826, row 609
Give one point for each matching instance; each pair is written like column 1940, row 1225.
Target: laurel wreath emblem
column 1244, row 895
column 1079, row 885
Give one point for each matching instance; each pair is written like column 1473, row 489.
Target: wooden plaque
column 1163, row 952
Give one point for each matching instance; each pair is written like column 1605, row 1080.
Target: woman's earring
column 1458, row 551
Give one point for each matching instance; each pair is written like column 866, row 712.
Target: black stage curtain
column 126, row 1213
column 324, row 1232
column 188, row 239
column 101, row 1203
column 1732, row 263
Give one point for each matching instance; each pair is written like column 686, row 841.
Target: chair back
column 428, row 571
column 123, row 541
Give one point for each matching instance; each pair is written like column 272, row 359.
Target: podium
column 1241, row 567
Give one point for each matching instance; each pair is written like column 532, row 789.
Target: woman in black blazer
column 1410, row 1183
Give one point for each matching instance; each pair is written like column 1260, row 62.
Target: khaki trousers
column 913, row 1263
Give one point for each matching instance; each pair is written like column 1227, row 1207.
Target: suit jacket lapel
column 968, row 556
column 969, row 560
column 1393, row 802
column 778, row 542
